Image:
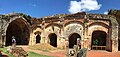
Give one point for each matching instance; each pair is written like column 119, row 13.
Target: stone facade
column 62, row 30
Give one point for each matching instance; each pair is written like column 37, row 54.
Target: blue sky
column 41, row 8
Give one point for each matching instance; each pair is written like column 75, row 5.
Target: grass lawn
column 30, row 54
column 5, row 51
column 33, row 54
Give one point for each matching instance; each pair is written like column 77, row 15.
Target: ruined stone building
column 95, row 31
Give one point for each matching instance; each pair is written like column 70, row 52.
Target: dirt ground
column 102, row 54
column 92, row 53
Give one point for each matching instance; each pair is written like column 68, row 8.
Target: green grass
column 33, row 54
column 5, row 51
column 30, row 54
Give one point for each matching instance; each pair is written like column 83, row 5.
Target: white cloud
column 106, row 12
column 84, row 5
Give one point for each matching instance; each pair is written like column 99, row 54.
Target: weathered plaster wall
column 63, row 26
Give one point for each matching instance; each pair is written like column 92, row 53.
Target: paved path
column 102, row 54
column 61, row 53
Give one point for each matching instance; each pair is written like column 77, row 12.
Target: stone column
column 82, row 44
column 89, row 44
column 67, row 47
column 47, row 40
column 108, row 40
column 43, row 33
column 85, row 43
column 62, row 44
column 62, row 33
column 114, row 45
column 115, row 30
column 43, row 39
column 114, row 38
column 30, row 41
column 86, row 23
column 4, row 40
column 86, row 36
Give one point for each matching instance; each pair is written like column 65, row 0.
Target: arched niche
column 99, row 40
column 53, row 39
column 93, row 28
column 73, row 39
column 74, row 28
column 18, row 28
column 38, row 38
column 36, row 33
column 52, row 29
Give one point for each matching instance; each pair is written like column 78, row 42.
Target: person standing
column 79, row 43
column 13, row 42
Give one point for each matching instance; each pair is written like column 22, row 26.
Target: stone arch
column 53, row 39
column 37, row 30
column 99, row 23
column 14, row 18
column 93, row 28
column 20, row 29
column 35, row 27
column 53, row 24
column 73, row 39
column 36, row 33
column 74, row 28
column 78, row 22
column 99, row 40
column 52, row 29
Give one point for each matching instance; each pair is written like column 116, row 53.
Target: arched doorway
column 38, row 38
column 119, row 44
column 53, row 39
column 98, row 40
column 73, row 39
column 19, row 29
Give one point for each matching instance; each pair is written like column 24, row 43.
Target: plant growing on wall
column 27, row 17
column 95, row 42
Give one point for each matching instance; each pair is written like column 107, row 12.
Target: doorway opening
column 119, row 44
column 98, row 40
column 53, row 39
column 19, row 29
column 73, row 40
column 38, row 38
